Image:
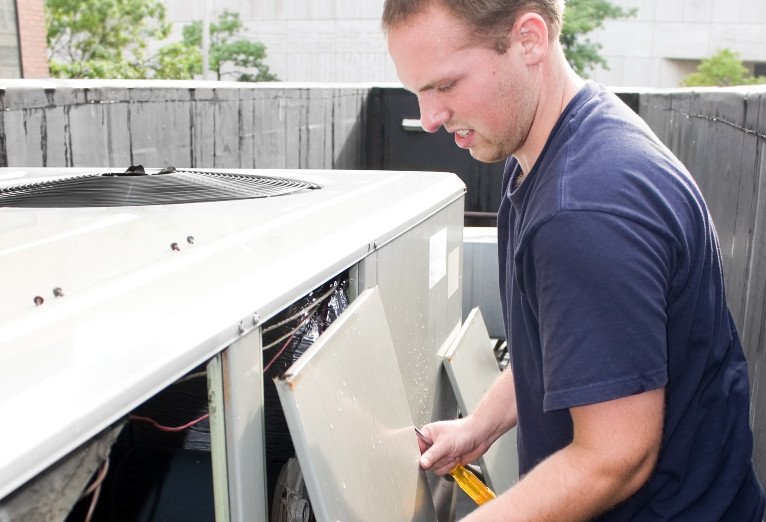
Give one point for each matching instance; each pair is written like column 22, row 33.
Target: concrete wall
column 666, row 39
column 306, row 40
column 183, row 124
column 341, row 41
column 720, row 135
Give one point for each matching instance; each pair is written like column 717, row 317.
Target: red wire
column 276, row 356
column 167, row 428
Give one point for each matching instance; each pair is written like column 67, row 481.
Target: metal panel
column 244, row 425
column 345, row 405
column 218, row 438
column 480, row 278
column 472, row 369
column 173, row 309
column 419, row 277
column 422, row 317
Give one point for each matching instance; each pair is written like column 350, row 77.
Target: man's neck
column 559, row 84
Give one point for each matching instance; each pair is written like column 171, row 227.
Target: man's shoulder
column 607, row 148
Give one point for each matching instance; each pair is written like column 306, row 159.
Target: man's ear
column 531, row 32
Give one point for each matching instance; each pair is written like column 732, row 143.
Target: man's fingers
column 429, row 460
column 425, row 461
column 440, row 456
column 446, row 465
column 430, row 457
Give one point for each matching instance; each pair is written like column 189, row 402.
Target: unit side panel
column 419, row 275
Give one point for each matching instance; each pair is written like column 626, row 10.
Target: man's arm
column 613, row 452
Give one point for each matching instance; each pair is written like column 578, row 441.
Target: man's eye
column 446, row 88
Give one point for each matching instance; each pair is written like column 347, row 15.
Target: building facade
column 666, row 39
column 340, row 40
column 307, row 40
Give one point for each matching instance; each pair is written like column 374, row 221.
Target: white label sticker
column 453, row 271
column 437, row 267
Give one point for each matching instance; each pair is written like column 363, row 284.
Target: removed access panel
column 472, row 368
column 345, row 405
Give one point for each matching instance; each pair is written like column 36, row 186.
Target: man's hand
column 464, row 440
column 454, row 442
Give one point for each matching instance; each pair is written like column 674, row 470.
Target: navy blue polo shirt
column 611, row 285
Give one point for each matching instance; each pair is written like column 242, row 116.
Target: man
column 629, row 384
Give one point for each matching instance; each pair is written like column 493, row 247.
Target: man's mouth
column 463, row 132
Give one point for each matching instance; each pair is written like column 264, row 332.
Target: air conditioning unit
column 120, row 286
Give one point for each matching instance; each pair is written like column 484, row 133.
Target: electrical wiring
column 167, row 428
column 95, row 489
column 316, row 303
column 288, row 335
column 309, row 311
column 98, row 480
column 191, row 376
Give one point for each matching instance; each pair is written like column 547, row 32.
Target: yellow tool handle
column 471, row 484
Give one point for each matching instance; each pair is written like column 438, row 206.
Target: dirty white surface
column 349, row 419
column 136, row 314
column 472, row 368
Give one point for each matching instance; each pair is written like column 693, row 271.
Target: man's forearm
column 614, row 449
column 569, row 485
column 496, row 412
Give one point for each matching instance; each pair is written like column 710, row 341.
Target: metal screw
column 174, row 246
column 58, row 292
column 39, row 300
column 190, row 240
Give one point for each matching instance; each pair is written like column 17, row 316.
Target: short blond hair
column 491, row 20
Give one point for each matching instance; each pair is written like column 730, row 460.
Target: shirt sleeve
column 599, row 283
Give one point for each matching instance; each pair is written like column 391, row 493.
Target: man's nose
column 432, row 116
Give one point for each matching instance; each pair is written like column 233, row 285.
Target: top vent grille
column 134, row 188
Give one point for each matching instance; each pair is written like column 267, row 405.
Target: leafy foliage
column 108, row 39
column 227, row 48
column 580, row 18
column 720, row 70
column 103, row 38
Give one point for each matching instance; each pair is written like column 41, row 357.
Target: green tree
column 177, row 61
column 580, row 18
column 108, row 39
column 226, row 47
column 720, row 70
column 103, row 38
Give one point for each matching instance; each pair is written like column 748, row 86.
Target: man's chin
column 486, row 156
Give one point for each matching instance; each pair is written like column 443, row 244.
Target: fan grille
column 119, row 189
